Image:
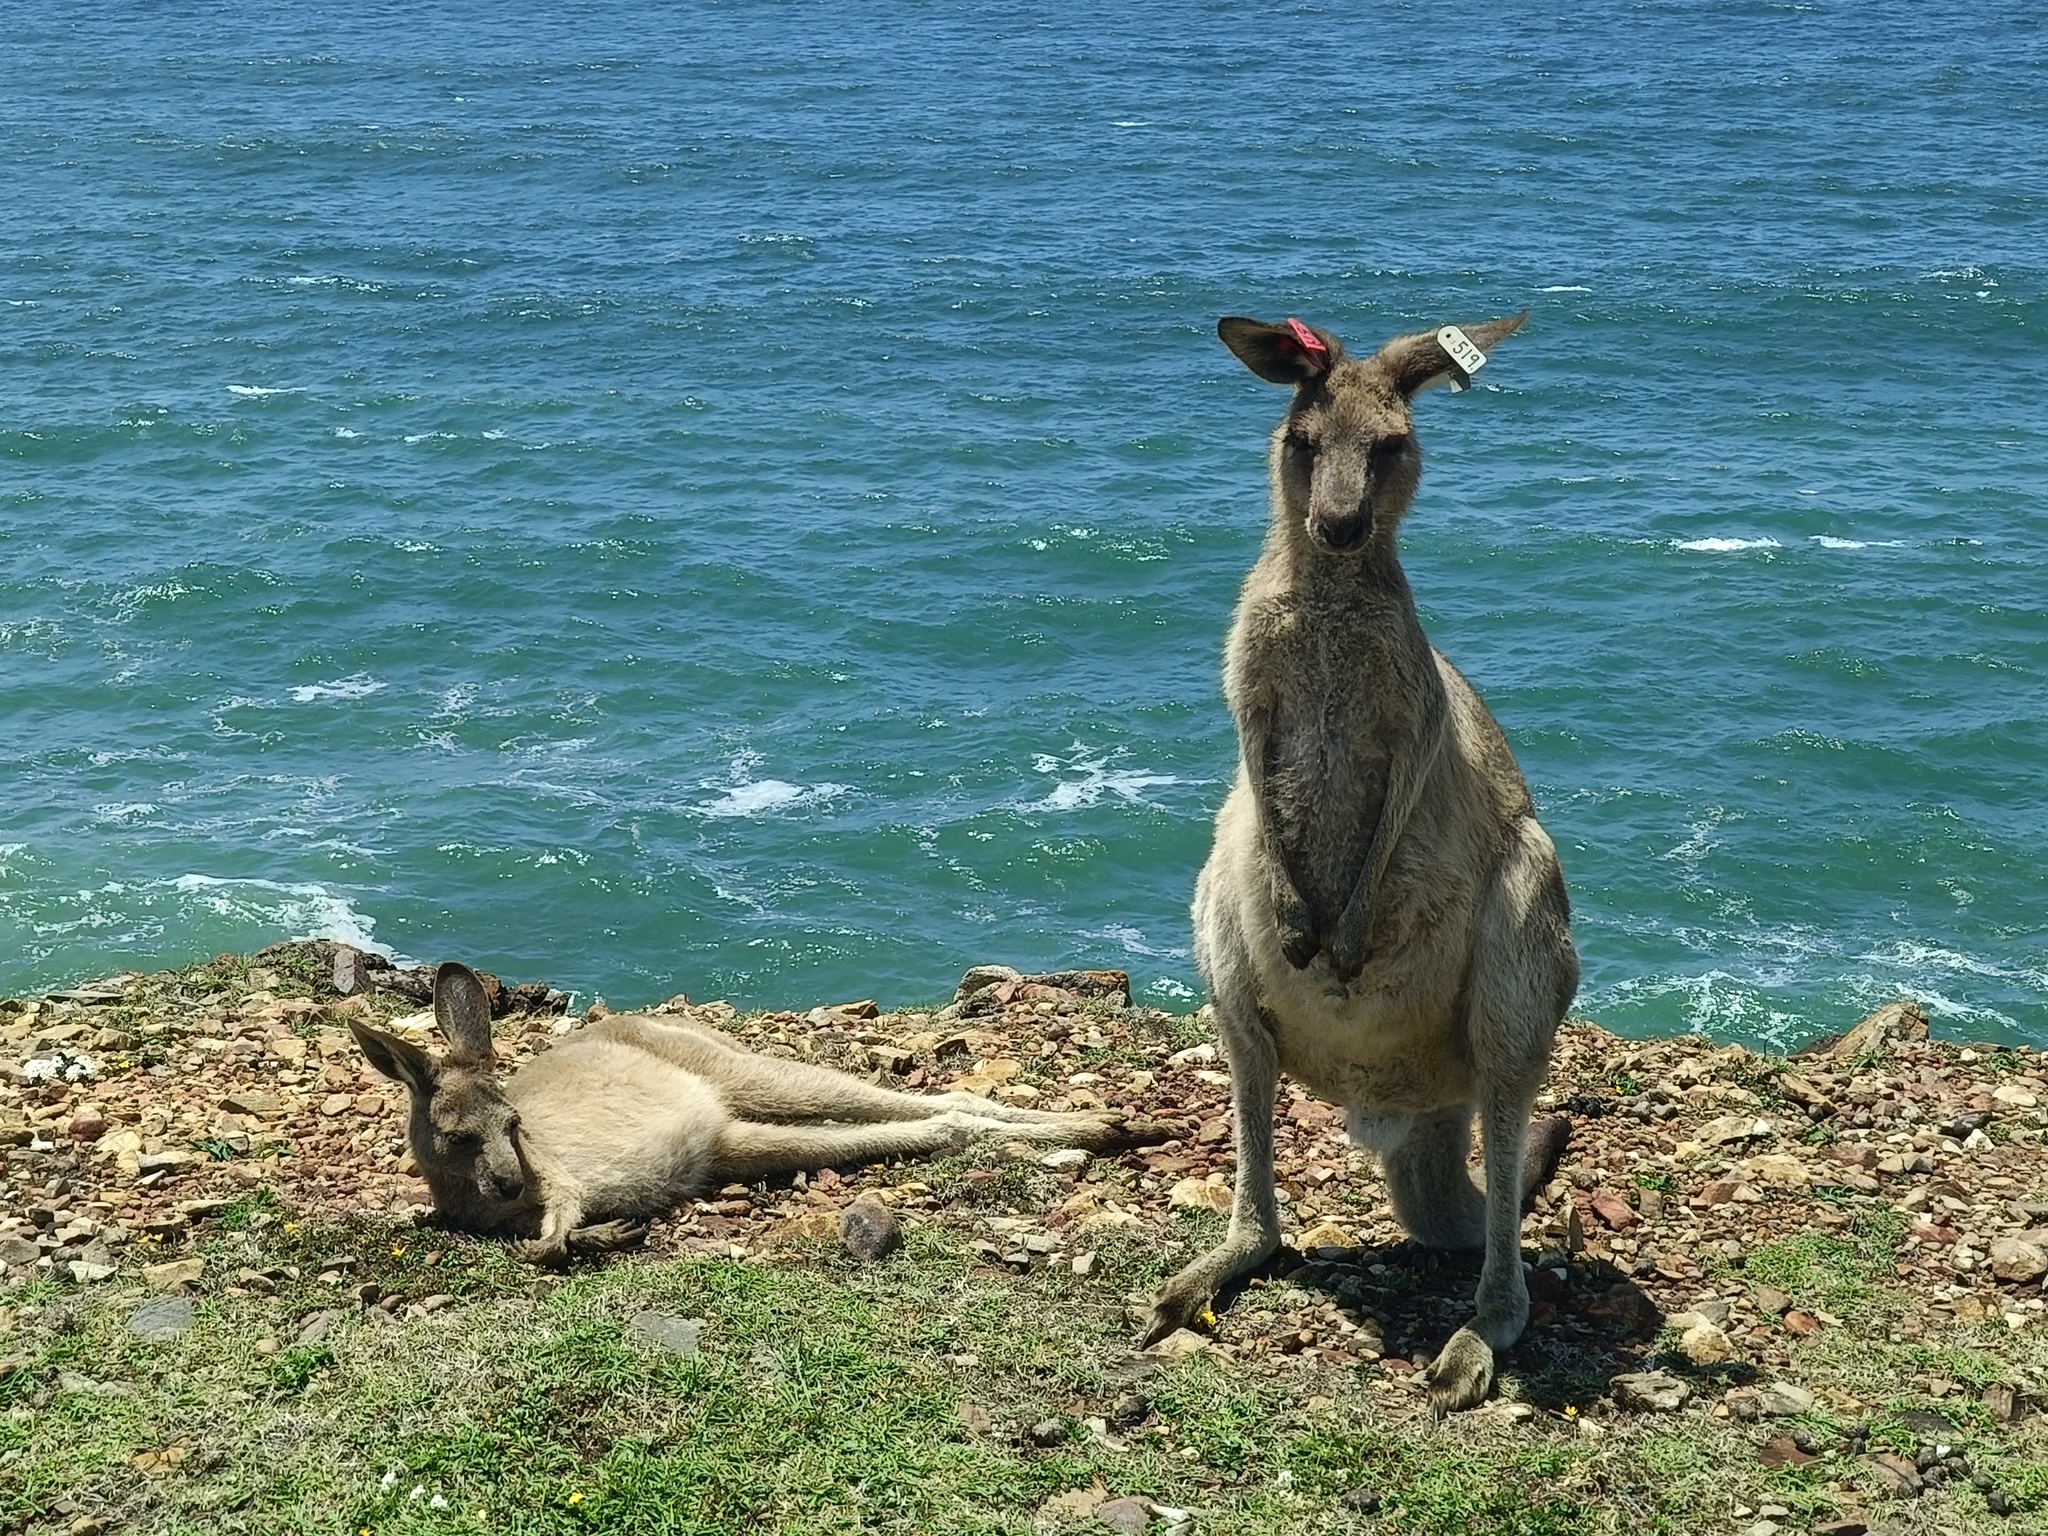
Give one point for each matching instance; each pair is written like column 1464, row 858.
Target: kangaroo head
column 1345, row 460
column 463, row 1130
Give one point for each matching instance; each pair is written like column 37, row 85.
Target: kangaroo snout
column 1341, row 535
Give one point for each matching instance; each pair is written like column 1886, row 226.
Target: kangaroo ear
column 1417, row 362
column 463, row 1010
column 1279, row 354
column 399, row 1060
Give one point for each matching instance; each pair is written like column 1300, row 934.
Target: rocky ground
column 1833, row 1263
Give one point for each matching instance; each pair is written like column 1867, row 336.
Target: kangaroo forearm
column 1409, row 772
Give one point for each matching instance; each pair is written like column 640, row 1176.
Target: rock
column 1065, row 1157
column 1730, row 1128
column 1846, row 1527
column 1199, row 1195
column 1800, row 1322
column 1895, row 1023
column 1326, row 1234
column 1650, row 1391
column 88, row 1272
column 982, row 976
column 2017, row 1262
column 1782, row 1399
column 1895, row 1474
column 1047, row 1433
column 337, row 1104
column 18, row 1252
column 315, row 1327
column 1781, row 1451
column 1768, row 1301
column 1361, row 1501
column 254, row 1101
column 89, row 1124
column 677, row 1335
column 351, row 975
column 869, row 1230
column 1129, row 1411
column 975, row 1419
column 2013, row 1096
column 2002, row 1402
column 1127, row 1517
column 165, row 1318
column 1778, row 1168
column 1179, row 1344
column 1704, row 1344
column 1614, row 1211
column 173, row 1274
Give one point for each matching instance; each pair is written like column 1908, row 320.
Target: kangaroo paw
column 1175, row 1307
column 1298, row 943
column 607, row 1236
column 541, row 1253
column 1462, row 1375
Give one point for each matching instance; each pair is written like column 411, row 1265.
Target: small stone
column 1895, row 1474
column 18, row 1252
column 1199, row 1195
column 1800, row 1322
column 1179, row 1344
column 677, row 1335
column 351, row 974
column 1047, row 1433
column 1129, row 1411
column 1770, row 1302
column 1361, row 1501
column 1704, row 1344
column 1326, row 1234
column 2017, row 1261
column 1732, row 1128
column 89, row 1124
column 87, row 1272
column 337, row 1104
column 1783, row 1451
column 314, row 1329
column 975, row 1419
column 1614, row 1211
column 2013, row 1096
column 164, row 1162
column 2002, row 1402
column 1065, row 1157
column 1782, row 1399
column 173, row 1274
column 1997, row 1502
column 253, row 1101
column 1650, row 1391
column 869, row 1230
column 165, row 1318
column 1127, row 1517
column 1847, row 1527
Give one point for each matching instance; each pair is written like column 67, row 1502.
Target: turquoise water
column 747, row 499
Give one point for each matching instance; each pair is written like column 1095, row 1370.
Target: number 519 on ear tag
column 1466, row 358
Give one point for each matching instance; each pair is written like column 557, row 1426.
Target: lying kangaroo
column 631, row 1116
column 1380, row 916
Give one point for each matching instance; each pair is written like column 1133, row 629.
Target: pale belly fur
column 1391, row 1042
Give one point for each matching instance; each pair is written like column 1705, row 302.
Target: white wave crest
column 1565, row 288
column 1097, row 778
column 361, row 686
column 302, row 910
column 756, row 797
column 258, row 391
column 1724, row 546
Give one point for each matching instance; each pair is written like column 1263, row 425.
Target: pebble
column 1650, row 1391
column 677, row 1335
column 172, row 1274
column 869, row 1230
column 2018, row 1262
column 1127, row 1517
column 1047, row 1433
column 165, row 1318
column 1781, row 1399
column 89, row 1124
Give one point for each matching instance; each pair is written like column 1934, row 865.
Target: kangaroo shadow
column 1587, row 1323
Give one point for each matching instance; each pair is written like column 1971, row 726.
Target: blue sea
column 746, row 498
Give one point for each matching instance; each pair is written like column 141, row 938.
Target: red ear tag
column 1311, row 343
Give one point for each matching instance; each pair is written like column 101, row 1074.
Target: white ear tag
column 1466, row 358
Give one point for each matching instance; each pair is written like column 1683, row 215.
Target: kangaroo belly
column 633, row 1134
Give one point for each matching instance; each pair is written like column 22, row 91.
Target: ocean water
column 746, row 498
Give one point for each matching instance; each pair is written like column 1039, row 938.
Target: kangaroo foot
column 1184, row 1301
column 607, row 1236
column 541, row 1252
column 1462, row 1375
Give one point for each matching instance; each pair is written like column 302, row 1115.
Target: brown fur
column 625, row 1119
column 1380, row 916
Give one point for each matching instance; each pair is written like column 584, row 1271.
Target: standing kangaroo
column 1380, row 916
column 628, row 1118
